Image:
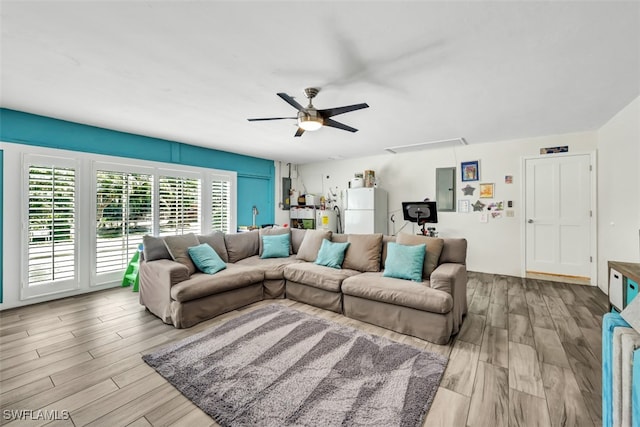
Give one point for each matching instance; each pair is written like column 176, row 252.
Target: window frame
column 113, row 276
column 28, row 290
column 212, row 177
column 18, row 155
column 178, row 173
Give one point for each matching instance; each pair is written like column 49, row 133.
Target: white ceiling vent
column 427, row 145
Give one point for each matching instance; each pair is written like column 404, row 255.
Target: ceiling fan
column 309, row 118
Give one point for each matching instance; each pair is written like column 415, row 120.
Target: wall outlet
column 510, row 214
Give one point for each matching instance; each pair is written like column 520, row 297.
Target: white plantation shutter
column 220, row 203
column 179, row 205
column 124, row 213
column 51, row 220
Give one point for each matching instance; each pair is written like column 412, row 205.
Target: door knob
column 530, row 221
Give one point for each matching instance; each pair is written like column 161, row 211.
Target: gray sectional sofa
column 431, row 309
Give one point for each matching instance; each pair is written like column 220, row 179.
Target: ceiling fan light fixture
column 309, row 122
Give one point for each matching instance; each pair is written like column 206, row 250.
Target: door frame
column 593, row 250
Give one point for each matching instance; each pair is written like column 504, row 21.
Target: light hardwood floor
column 528, row 354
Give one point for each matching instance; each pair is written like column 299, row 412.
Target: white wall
column 619, row 189
column 494, row 247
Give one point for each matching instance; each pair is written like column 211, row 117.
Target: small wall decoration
column 478, row 206
column 554, row 150
column 496, row 206
column 468, row 190
column 508, row 179
column 486, row 191
column 464, row 206
column 470, row 171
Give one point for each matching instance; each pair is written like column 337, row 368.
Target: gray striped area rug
column 276, row 366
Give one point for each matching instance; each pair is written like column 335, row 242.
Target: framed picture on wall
column 486, row 191
column 470, row 171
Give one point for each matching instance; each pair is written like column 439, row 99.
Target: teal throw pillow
column 275, row 246
column 331, row 254
column 404, row 262
column 206, row 259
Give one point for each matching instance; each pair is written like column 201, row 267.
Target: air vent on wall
column 426, row 145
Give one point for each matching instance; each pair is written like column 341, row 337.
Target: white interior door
column 558, row 215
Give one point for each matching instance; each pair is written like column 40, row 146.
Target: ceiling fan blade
column 271, row 118
column 329, row 112
column 338, row 125
column 299, row 132
column 289, row 100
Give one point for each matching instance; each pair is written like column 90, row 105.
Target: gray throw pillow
column 434, row 249
column 272, row 231
column 178, row 247
column 363, row 253
column 153, row 248
column 311, row 244
column 242, row 245
column 216, row 241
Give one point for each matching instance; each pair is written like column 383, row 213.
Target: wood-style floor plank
column 495, row 347
column 489, row 401
column 524, row 370
column 447, row 409
column 528, row 353
column 565, row 402
column 526, row 410
column 461, row 368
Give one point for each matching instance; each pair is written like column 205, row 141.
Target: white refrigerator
column 366, row 211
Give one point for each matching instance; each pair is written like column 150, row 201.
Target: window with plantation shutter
column 179, row 205
column 51, row 217
column 220, row 203
column 124, row 214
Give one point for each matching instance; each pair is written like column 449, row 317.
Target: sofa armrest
column 156, row 279
column 452, row 278
column 167, row 271
column 444, row 277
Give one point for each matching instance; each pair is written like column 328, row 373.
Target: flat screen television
column 420, row 212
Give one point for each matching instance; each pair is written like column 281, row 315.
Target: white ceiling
column 195, row 71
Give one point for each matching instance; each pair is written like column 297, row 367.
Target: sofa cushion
column 273, row 231
column 178, row 248
column 311, row 244
column 375, row 287
column 200, row 285
column 206, row 259
column 242, row 245
column 339, row 238
column 331, row 254
column 364, row 252
column 153, row 248
column 434, row 249
column 385, row 242
column 216, row 241
column 317, row 276
column 278, row 246
column 297, row 236
column 404, row 262
column 273, row 268
column 454, row 251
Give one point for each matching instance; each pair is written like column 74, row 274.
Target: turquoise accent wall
column 256, row 176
